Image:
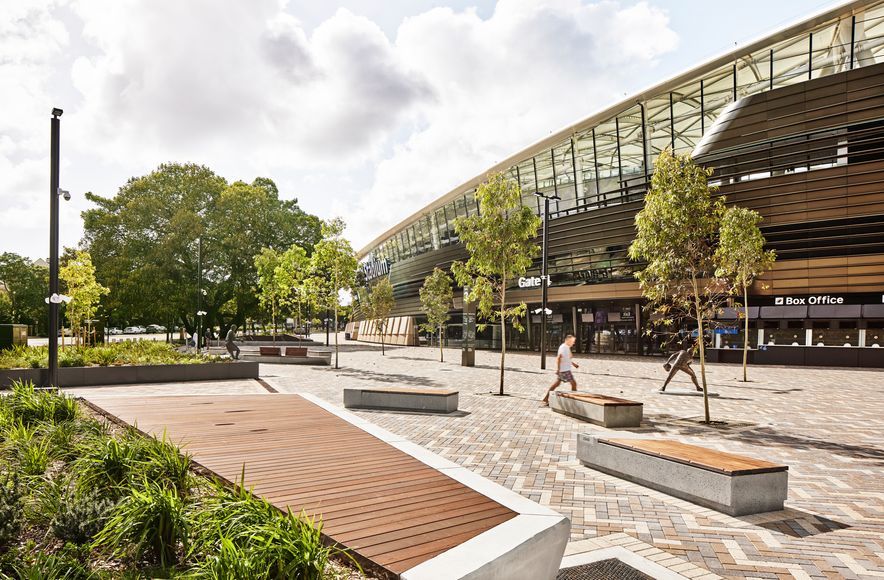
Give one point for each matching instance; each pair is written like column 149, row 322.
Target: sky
column 363, row 109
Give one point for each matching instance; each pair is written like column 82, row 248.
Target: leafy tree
column 291, row 273
column 23, row 288
column 78, row 275
column 380, row 304
column 143, row 242
column 332, row 270
column 741, row 258
column 266, row 264
column 675, row 234
column 500, row 242
column 436, row 299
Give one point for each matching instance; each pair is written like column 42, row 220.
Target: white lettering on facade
column 809, row 300
column 533, row 281
column 376, row 269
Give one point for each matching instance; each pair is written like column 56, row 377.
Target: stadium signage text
column 375, row 269
column 533, row 281
column 808, row 300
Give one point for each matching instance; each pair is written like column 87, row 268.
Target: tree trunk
column 441, row 352
column 701, row 341
column 383, row 327
column 502, row 331
column 273, row 321
column 745, row 332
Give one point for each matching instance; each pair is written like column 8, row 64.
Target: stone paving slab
column 827, row 425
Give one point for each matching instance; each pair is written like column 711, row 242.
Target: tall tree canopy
column 143, row 242
column 23, row 287
column 500, row 242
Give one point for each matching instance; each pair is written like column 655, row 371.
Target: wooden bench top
column 397, row 390
column 595, row 399
column 709, row 459
column 387, row 508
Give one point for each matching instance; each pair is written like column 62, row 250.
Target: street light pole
column 199, row 290
column 544, row 275
column 55, row 154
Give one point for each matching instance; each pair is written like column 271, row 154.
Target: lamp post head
column 56, row 112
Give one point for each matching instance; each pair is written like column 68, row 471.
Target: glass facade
column 610, row 162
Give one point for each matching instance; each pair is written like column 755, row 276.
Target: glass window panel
column 658, row 125
column 586, row 175
column 545, row 183
column 564, row 176
column 442, row 227
column 869, row 30
column 686, row 113
column 471, row 203
column 790, row 62
column 753, row 73
column 718, row 93
column 606, row 153
column 632, row 152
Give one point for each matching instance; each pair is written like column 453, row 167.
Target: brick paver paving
column 826, row 424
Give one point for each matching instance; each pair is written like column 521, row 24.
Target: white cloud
column 502, row 83
column 345, row 118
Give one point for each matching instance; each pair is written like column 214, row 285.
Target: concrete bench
column 599, row 409
column 432, row 400
column 296, row 351
column 268, row 350
column 733, row 484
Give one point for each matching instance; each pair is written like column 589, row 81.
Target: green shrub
column 230, row 561
column 71, row 357
column 30, row 405
column 107, row 463
column 11, row 508
column 80, row 517
column 148, row 523
column 164, row 463
column 102, row 355
column 34, row 458
column 65, row 565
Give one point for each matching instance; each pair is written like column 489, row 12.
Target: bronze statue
column 681, row 361
column 231, row 346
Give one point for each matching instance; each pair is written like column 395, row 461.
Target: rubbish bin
column 347, row 336
column 13, row 334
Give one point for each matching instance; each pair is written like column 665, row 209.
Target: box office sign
column 817, row 299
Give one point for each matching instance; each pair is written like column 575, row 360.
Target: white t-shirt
column 565, row 353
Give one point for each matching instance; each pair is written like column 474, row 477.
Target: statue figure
column 681, row 361
column 231, row 346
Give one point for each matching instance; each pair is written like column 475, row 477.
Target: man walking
column 681, row 361
column 231, row 346
column 563, row 367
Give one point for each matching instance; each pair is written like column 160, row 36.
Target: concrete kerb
column 529, row 546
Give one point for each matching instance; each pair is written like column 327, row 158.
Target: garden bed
column 82, row 498
column 117, row 364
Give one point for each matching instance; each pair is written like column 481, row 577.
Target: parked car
column 114, row 330
column 131, row 330
column 156, row 328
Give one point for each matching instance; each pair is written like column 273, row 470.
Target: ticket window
column 875, row 334
column 835, row 333
column 785, row 333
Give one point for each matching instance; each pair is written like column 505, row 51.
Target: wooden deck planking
column 387, row 507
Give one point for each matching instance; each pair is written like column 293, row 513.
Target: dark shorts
column 566, row 376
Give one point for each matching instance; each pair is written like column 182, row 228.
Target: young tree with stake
column 332, row 270
column 437, row 296
column 741, row 258
column 675, row 235
column 380, row 304
column 500, row 242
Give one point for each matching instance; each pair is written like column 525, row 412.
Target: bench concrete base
column 612, row 416
column 736, row 495
column 401, row 400
column 683, row 392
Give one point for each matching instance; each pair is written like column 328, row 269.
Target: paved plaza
column 827, row 425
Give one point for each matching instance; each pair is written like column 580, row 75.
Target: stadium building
column 793, row 126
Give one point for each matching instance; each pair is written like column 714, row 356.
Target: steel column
column 54, row 158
